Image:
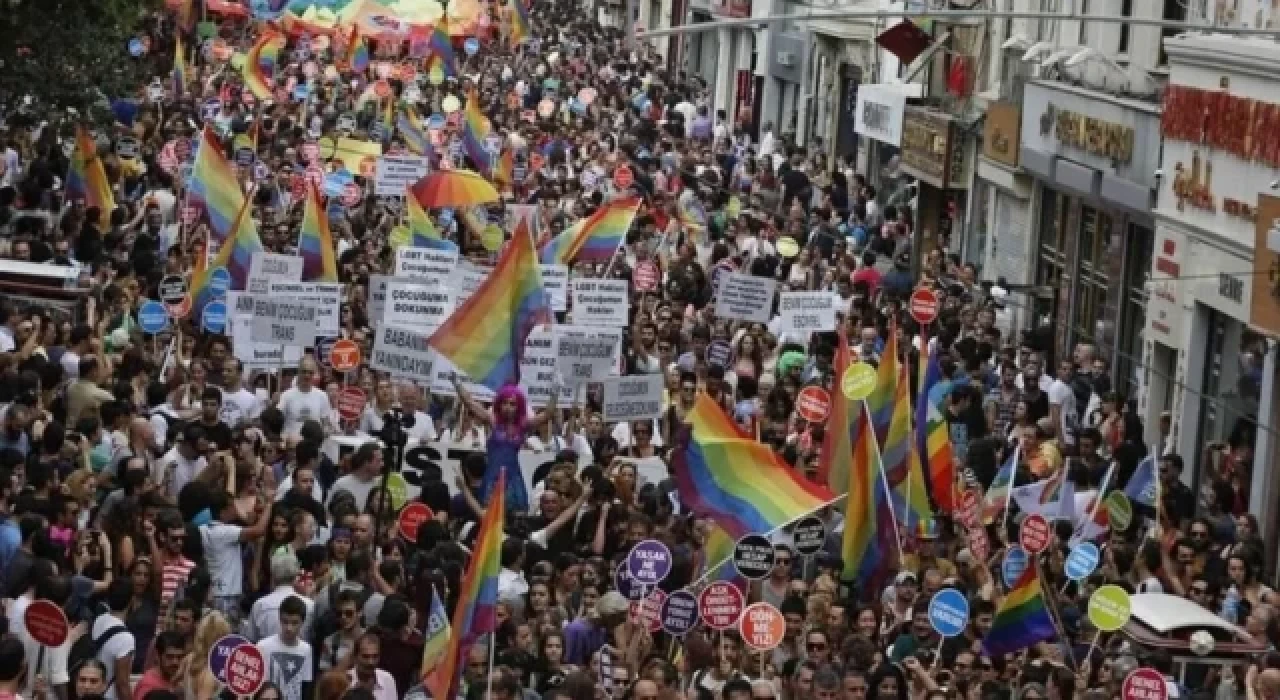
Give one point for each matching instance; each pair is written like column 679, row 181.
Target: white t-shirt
column 358, row 488
column 70, row 364
column 184, row 470
column 1061, row 395
column 288, row 666
column 119, row 646
column 222, row 552
column 55, row 659
column 300, row 406
column 240, row 405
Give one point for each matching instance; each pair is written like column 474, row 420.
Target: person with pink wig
column 509, row 425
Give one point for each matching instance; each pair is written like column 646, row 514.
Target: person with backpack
column 369, row 601
column 110, row 641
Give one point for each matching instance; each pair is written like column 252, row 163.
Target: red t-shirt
column 869, row 276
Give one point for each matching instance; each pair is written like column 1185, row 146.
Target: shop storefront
column 938, row 154
column 1000, row 227
column 783, row 81
column 1094, row 159
column 877, row 118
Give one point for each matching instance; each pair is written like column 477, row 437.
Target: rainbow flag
column 357, row 52
column 87, row 179
column 179, row 69
column 504, row 173
column 260, row 65
column 214, row 184
column 902, row 466
column 1022, row 620
column 595, row 238
column 932, row 437
column 734, row 479
column 475, row 129
column 315, row 242
column 236, row 254
column 485, row 336
column 442, row 57
column 998, row 493
column 410, row 127
column 423, row 233
column 477, row 597
column 438, row 635
column 717, row 555
column 519, row 30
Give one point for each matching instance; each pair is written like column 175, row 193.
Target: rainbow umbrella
column 453, row 188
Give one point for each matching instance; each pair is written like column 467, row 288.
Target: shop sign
column 930, row 150
column 1264, row 312
column 1100, row 132
column 1241, row 126
column 1089, row 134
column 1220, row 279
column 1192, row 185
column 1164, row 304
column 731, row 8
column 878, row 113
column 1000, row 138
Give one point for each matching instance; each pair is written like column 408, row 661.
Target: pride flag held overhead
column 1022, row 620
column 214, row 185
column 315, row 242
column 475, row 130
column 436, row 642
column 87, row 179
column 519, row 29
column 423, row 233
column 932, row 437
column 259, row 66
column 596, row 238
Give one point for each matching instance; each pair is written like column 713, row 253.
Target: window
column 1126, row 11
column 1137, row 266
column 1083, row 38
column 1174, row 11
column 1091, row 301
column 1051, row 255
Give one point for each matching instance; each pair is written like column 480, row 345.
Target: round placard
column 809, row 535
column 753, row 555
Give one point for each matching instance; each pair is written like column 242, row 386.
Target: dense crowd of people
column 166, row 492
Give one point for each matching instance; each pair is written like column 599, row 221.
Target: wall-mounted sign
column 879, row 113
column 1192, row 185
column 1000, row 138
column 1089, row 134
column 1264, row 312
column 930, row 149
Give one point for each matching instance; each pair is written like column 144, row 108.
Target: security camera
column 1159, row 173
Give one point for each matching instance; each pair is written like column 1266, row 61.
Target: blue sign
column 436, row 121
column 301, row 91
column 219, row 281
column 214, row 319
column 471, row 46
column 625, row 585
column 1082, row 560
column 136, row 47
column 949, row 612
column 152, row 317
column 220, row 652
column 649, row 562
column 211, row 108
column 334, row 184
column 679, row 613
column 1015, row 562
column 324, row 350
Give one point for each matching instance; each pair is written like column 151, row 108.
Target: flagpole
column 884, row 481
column 1013, row 479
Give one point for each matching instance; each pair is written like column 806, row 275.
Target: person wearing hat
column 586, row 635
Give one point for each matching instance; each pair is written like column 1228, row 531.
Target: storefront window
column 1052, row 262
column 1137, row 266
column 1231, row 389
column 1091, row 298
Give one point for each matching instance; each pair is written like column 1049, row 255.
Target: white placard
column 745, row 297
column 284, row 321
column 878, row 112
column 421, row 304
column 587, row 354
column 326, row 295
column 807, row 312
column 403, row 352
column 378, row 295
column 265, row 268
column 255, row 356
column 555, row 279
column 396, row 173
column 465, row 280
column 599, row 302
column 637, row 397
column 425, row 263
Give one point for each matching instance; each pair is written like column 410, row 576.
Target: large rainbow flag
column 439, row 632
column 736, row 480
column 87, row 179
column 260, row 64
column 475, row 129
column 901, row 462
column 415, row 137
column 485, row 336
column 519, row 29
column 214, row 185
column 477, row 597
column 423, row 233
column 595, row 238
column 236, row 254
column 1022, row 620
column 315, row 242
column 442, row 60
column 933, row 439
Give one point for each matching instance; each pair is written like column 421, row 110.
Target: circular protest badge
column 679, row 613
column 923, row 306
column 809, row 534
column 1109, row 608
column 46, row 623
column 649, row 562
column 1082, row 561
column 220, row 652
column 214, row 317
column 762, row 627
column 351, row 403
column 623, row 177
column 450, row 104
column 949, row 612
column 753, row 555
column 720, row 605
column 397, row 489
column 1015, row 562
column 787, row 247
column 492, row 237
column 219, row 281
column 152, row 317
column 858, row 381
column 648, row 610
column 180, row 309
column 719, row 354
column 1144, row 684
column 172, row 289
column 246, row 670
column 411, row 517
column 1119, row 510
column 625, row 585
column 813, row 404
column 471, row 46
column 645, row 276
column 1034, row 533
column 345, row 356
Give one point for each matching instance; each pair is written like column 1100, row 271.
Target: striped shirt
column 174, row 576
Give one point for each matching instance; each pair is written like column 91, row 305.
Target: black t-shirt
column 1037, row 407
column 794, row 184
column 218, row 433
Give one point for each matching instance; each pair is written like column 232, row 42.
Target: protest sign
column 555, row 280
column 807, row 312
column 284, row 321
column 587, row 355
column 537, row 371
column 402, row 352
column 265, row 268
column 327, row 297
column 425, row 263
column 599, row 302
column 421, row 304
column 378, row 295
column 745, row 297
column 255, row 356
column 397, row 173
column 633, row 398
column 465, row 280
